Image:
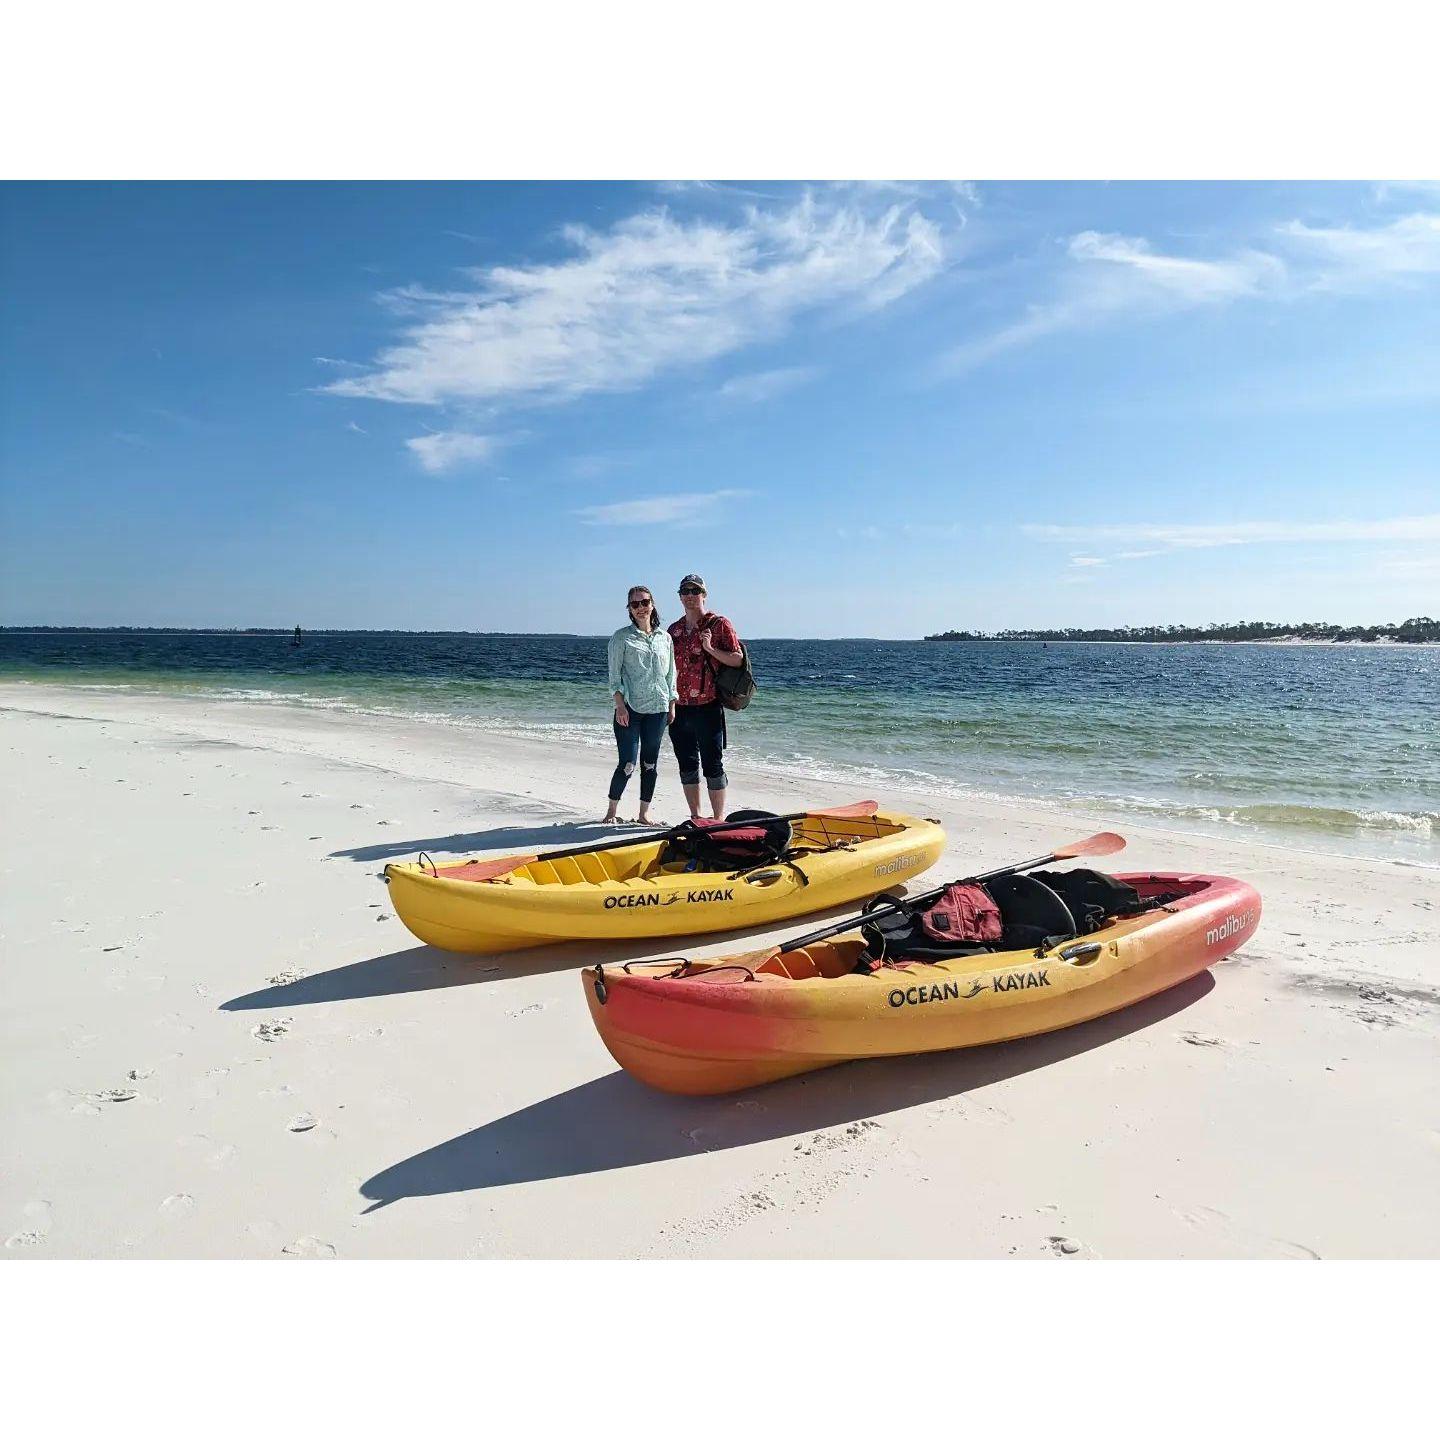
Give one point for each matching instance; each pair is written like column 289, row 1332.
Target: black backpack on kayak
column 759, row 844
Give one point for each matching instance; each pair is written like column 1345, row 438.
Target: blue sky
column 870, row 409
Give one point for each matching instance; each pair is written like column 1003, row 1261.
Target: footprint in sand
column 1064, row 1245
column 38, row 1214
column 1240, row 1239
column 310, row 1248
column 175, row 1205
column 302, row 1123
column 272, row 1030
column 285, row 977
column 216, row 1154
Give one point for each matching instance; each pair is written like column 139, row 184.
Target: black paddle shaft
column 865, row 916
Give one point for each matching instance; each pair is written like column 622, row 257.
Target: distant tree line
column 1411, row 632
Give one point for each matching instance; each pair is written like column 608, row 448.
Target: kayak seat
column 1030, row 911
column 798, row 965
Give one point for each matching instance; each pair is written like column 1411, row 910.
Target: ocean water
column 1326, row 747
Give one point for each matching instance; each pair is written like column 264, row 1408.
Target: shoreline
column 219, row 1041
column 1354, row 830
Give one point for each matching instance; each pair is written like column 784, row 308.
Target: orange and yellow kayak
column 702, row 1027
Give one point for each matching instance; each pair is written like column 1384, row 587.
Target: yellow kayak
column 635, row 892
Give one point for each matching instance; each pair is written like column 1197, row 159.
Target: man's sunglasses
column 691, row 590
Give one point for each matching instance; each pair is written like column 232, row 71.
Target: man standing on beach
column 702, row 640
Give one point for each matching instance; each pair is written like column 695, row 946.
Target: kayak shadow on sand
column 423, row 967
column 502, row 838
column 614, row 1122
column 404, row 972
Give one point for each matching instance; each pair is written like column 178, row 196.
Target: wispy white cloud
column 1108, row 276
column 351, row 425
column 652, row 294
column 1186, row 536
column 1387, row 190
column 1410, row 566
column 592, row 467
column 443, row 450
column 1346, row 258
column 1082, row 561
column 765, row 384
column 676, row 510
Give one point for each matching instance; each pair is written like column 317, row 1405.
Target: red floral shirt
column 694, row 669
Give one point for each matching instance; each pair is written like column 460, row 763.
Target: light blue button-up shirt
column 642, row 668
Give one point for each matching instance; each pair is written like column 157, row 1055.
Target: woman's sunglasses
column 640, row 604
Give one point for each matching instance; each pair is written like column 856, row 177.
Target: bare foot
column 611, row 820
column 648, row 820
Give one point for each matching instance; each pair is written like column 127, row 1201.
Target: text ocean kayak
column 707, row 1026
column 632, row 892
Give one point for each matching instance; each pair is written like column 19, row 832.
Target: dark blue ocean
column 1336, row 747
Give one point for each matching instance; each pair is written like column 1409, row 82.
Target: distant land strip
column 1419, row 631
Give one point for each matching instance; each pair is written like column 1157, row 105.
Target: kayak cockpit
column 649, row 859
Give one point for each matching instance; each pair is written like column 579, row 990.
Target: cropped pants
column 698, row 736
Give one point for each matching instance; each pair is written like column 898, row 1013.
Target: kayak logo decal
column 695, row 897
column 1025, row 980
column 902, row 862
column 1231, row 925
column 925, row 994
column 703, row 897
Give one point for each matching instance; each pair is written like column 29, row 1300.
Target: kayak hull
column 626, row 894
column 731, row 1023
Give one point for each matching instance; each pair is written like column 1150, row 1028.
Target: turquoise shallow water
column 1331, row 747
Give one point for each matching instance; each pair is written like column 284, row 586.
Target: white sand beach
column 220, row 1042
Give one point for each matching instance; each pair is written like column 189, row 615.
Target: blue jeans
column 640, row 738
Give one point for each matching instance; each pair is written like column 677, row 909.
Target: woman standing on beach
column 642, row 682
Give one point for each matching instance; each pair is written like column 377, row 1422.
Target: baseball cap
column 692, row 580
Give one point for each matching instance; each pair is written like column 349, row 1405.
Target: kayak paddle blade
column 1107, row 842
